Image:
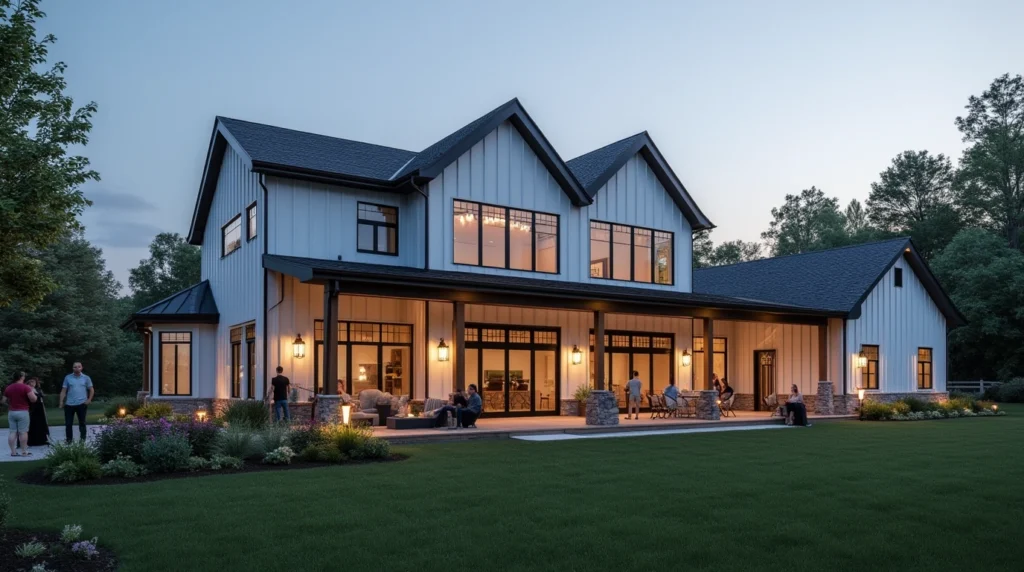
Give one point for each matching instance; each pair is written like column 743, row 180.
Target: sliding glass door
column 370, row 356
column 514, row 367
column 625, row 352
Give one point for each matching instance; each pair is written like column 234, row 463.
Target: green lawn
column 932, row 495
column 55, row 417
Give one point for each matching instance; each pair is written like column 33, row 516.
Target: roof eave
column 401, row 186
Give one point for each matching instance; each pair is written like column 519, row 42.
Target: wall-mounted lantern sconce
column 298, row 347
column 687, row 358
column 862, row 359
column 577, row 355
column 442, row 351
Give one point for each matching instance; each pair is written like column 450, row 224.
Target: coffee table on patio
column 399, row 423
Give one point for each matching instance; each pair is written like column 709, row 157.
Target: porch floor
column 507, row 427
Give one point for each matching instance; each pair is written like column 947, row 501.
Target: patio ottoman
column 400, row 423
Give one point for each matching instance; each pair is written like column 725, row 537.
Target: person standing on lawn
column 633, row 388
column 38, row 428
column 19, row 396
column 75, row 396
column 281, row 385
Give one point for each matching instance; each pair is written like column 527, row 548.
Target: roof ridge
column 222, row 117
column 771, row 258
column 616, row 142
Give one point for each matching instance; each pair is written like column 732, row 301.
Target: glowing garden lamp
column 687, row 358
column 577, row 355
column 442, row 351
column 346, row 413
column 201, row 415
column 298, row 347
column 121, row 412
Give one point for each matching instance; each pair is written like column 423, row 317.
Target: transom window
column 175, row 363
column 623, row 252
column 924, row 368
column 250, row 225
column 377, row 229
column 869, row 374
column 231, row 236
column 502, row 237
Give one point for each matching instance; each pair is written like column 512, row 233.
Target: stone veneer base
column 602, row 408
column 824, row 404
column 569, row 407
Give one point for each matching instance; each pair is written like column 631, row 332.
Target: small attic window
column 897, row 277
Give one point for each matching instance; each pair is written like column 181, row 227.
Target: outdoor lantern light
column 121, row 412
column 299, row 347
column 860, row 394
column 687, row 358
column 442, row 351
column 346, row 411
column 577, row 355
column 201, row 415
column 995, row 407
column 862, row 359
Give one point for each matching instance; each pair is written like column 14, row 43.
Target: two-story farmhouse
column 485, row 258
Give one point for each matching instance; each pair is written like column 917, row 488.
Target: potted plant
column 581, row 395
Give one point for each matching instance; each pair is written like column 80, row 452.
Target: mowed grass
column 55, row 417
column 931, row 495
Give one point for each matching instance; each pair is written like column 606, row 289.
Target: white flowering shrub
column 279, row 456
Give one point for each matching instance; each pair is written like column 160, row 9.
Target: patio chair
column 725, row 406
column 658, row 408
column 771, row 403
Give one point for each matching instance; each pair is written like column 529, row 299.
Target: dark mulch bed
column 37, row 477
column 57, row 560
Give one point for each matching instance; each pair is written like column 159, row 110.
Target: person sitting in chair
column 796, row 411
column 472, row 411
column 671, row 394
column 726, row 391
column 456, row 401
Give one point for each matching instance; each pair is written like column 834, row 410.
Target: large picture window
column 869, row 373
column 623, row 252
column 236, row 362
column 924, row 368
column 720, row 360
column 231, row 236
column 371, row 355
column 625, row 352
column 502, row 237
column 175, row 363
column 377, row 229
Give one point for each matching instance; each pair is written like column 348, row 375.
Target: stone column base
column 602, row 408
column 328, row 409
column 824, row 405
column 707, row 406
column 570, row 407
column 845, row 404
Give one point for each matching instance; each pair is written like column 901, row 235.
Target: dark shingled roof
column 287, row 147
column 588, row 167
column 193, row 304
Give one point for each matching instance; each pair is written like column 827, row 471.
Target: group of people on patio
column 465, row 408
column 26, row 416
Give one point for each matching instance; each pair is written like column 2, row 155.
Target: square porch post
column 709, row 352
column 822, row 352
column 599, row 349
column 824, row 402
column 459, row 337
column 330, row 381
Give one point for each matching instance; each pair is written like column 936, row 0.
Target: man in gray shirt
column 75, row 397
column 633, row 387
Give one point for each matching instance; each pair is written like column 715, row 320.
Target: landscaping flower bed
column 911, row 409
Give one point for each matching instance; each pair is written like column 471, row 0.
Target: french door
column 515, row 368
column 648, row 354
column 764, row 377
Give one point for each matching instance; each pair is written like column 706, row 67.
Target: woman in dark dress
column 38, row 430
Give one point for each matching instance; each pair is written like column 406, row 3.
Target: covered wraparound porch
column 528, row 343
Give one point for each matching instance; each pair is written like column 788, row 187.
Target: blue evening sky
column 749, row 100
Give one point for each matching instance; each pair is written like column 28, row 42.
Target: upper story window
column 250, row 224
column 377, row 231
column 231, row 236
column 502, row 237
column 623, row 252
column 897, row 277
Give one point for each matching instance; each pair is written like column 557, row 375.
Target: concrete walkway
column 56, row 434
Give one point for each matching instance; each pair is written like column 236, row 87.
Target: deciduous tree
column 805, row 222
column 172, row 266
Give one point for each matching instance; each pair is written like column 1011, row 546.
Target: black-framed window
column 516, row 368
column 175, row 363
column 924, row 368
column 505, row 237
column 231, row 236
column 236, row 361
column 897, row 277
column 869, row 374
column 649, row 353
column 631, row 253
column 371, row 355
column 250, row 222
column 377, row 229
column 250, row 352
column 719, row 358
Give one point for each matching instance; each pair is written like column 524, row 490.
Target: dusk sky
column 748, row 101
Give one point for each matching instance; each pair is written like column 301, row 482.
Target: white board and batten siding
column 236, row 279
column 899, row 320
column 204, row 358
column 502, row 170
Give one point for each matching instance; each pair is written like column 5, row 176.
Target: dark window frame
column 724, row 353
column 236, row 361
column 930, row 374
column 223, row 236
column 508, row 230
column 631, row 349
column 475, row 341
column 897, row 277
column 250, row 360
column 865, row 376
column 375, row 225
column 160, row 364
column 609, row 264
column 318, row 345
column 251, row 222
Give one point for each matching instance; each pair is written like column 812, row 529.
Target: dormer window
column 502, row 237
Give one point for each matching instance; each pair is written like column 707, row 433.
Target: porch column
column 330, row 381
column 459, row 337
column 709, row 352
column 822, row 352
column 599, row 349
column 824, row 402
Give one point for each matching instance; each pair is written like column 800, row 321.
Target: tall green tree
column 702, row 249
column 985, row 279
column 172, row 266
column 734, row 252
column 991, row 179
column 805, row 222
column 40, row 182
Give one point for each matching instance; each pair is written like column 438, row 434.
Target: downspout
column 426, row 303
column 265, row 274
column 426, row 222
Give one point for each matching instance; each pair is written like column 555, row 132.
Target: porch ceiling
column 406, row 282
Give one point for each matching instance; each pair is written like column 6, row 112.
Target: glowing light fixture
column 860, row 394
column 346, row 412
column 121, row 412
column 362, row 373
column 995, row 407
column 577, row 355
column 442, row 351
column 298, row 347
column 687, row 358
column 862, row 359
column 201, row 415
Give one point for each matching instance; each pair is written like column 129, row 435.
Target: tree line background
column 59, row 304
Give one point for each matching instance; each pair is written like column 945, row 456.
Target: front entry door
column 764, row 377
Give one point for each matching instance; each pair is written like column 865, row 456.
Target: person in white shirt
column 633, row 387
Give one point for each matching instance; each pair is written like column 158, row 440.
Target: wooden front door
column 764, row 377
